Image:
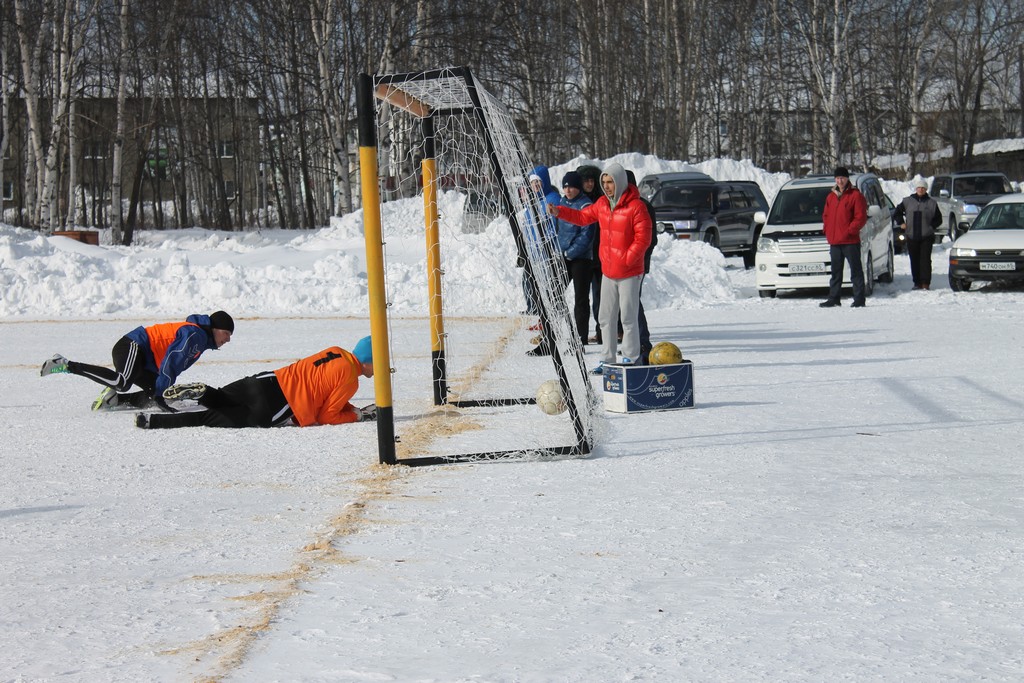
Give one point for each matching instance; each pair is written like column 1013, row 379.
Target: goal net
column 444, row 175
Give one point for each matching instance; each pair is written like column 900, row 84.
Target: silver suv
column 962, row 195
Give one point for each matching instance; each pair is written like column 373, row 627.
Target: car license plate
column 807, row 267
column 998, row 265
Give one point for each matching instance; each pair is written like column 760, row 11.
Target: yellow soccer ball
column 665, row 353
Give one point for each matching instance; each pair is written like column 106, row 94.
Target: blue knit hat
column 364, row 351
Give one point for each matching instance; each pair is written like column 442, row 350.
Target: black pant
column 641, row 321
column 254, row 401
column 129, row 370
column 580, row 275
column 920, row 252
column 851, row 253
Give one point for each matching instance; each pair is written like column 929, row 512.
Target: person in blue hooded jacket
column 547, row 189
column 150, row 358
column 539, row 225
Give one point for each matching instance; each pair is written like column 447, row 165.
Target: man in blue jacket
column 577, row 245
column 150, row 358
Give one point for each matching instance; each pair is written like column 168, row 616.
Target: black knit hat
column 841, row 172
column 572, row 179
column 222, row 321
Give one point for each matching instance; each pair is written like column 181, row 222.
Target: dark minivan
column 719, row 212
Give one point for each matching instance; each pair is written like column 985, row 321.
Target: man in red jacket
column 846, row 212
column 625, row 233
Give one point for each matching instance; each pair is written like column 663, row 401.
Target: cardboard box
column 639, row 388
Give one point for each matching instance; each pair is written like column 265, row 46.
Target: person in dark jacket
column 150, row 358
column 576, row 243
column 846, row 212
column 591, row 176
column 919, row 214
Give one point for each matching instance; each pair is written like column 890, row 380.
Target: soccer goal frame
column 428, row 95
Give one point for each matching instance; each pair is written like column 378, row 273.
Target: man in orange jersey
column 150, row 358
column 313, row 391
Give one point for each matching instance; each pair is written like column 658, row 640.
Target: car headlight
column 684, row 226
column 958, row 251
column 971, row 208
column 766, row 245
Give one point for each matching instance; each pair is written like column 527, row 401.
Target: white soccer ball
column 550, row 398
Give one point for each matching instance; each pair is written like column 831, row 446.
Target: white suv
column 792, row 252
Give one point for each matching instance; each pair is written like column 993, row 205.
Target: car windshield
column 982, row 184
column 1000, row 217
column 683, row 197
column 799, row 205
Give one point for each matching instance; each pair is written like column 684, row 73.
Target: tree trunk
column 116, row 214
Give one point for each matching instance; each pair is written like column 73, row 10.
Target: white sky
column 843, row 503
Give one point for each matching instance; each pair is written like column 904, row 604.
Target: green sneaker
column 54, row 366
column 107, row 400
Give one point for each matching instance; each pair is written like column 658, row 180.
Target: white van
column 792, row 252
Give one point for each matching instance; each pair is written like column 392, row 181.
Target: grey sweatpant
column 620, row 299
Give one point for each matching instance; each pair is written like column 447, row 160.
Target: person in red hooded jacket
column 625, row 233
column 846, row 212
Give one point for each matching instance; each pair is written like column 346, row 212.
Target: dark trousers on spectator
column 580, row 273
column 920, row 252
column 851, row 253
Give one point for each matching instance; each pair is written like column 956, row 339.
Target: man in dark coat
column 919, row 214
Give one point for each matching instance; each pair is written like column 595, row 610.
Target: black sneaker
column 830, row 303
column 185, row 392
column 539, row 350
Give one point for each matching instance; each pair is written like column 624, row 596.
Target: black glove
column 367, row 414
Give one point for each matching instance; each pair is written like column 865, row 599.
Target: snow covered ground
column 844, row 503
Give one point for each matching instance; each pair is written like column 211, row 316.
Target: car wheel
column 869, row 276
column 767, row 293
column 890, row 267
column 711, row 237
column 959, row 284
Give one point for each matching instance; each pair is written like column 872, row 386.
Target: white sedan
column 993, row 247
